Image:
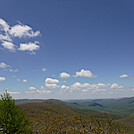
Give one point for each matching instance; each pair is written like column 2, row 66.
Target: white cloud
column 64, row 75
column 84, row 73
column 13, row 93
column 51, row 86
column 43, row 90
column 29, row 46
column 51, row 83
column 30, row 92
column 13, row 70
column 64, row 87
column 21, row 30
column 85, row 87
column 76, row 85
column 7, row 67
column 88, row 86
column 4, row 65
column 99, row 90
column 2, row 78
column 5, row 37
column 124, row 76
column 3, row 25
column 91, row 89
column 32, row 88
column 116, row 86
column 4, row 28
column 43, row 69
column 8, row 45
column 24, row 80
column 48, row 92
column 84, row 90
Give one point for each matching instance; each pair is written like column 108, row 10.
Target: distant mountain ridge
column 121, row 109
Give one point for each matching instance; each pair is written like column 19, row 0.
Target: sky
column 67, row 49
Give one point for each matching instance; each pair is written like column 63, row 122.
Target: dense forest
column 54, row 117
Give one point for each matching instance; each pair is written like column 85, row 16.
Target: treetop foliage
column 12, row 119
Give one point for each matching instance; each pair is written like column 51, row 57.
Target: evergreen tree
column 12, row 119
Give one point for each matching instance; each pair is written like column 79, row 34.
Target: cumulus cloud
column 94, row 88
column 35, row 90
column 76, row 85
column 8, row 45
column 64, row 87
column 7, row 67
column 18, row 30
column 32, row 88
column 99, row 90
column 43, row 69
column 43, row 90
column 13, row 70
column 29, row 46
column 51, row 83
column 7, row 33
column 21, row 30
column 124, row 76
column 4, row 65
column 24, row 81
column 13, row 93
column 64, row 75
column 51, row 86
column 84, row 73
column 5, row 37
column 4, row 31
column 3, row 25
column 88, row 86
column 4, row 28
column 116, row 86
column 2, row 78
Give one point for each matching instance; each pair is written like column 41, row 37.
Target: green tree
column 12, row 119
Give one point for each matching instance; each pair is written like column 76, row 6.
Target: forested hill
column 122, row 107
column 122, row 110
column 55, row 116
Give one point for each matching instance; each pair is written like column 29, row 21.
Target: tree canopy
column 12, row 119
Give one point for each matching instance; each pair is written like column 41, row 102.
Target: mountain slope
column 129, row 122
column 123, row 107
column 54, row 116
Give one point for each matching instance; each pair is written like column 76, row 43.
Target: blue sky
column 67, row 49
